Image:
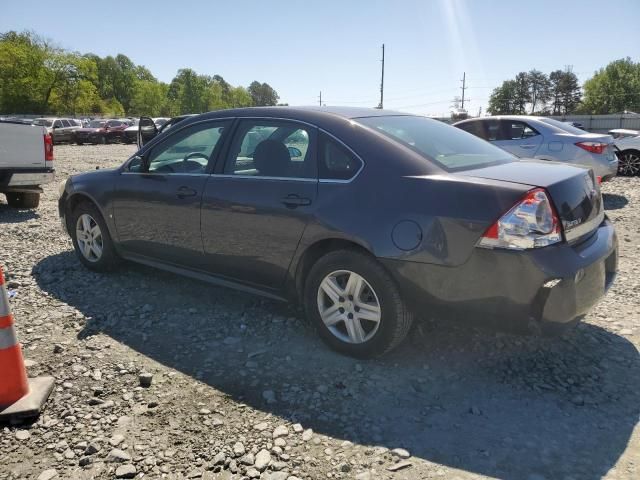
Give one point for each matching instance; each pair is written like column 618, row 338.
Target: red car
column 101, row 131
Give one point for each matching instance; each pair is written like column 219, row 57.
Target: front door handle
column 184, row 192
column 293, row 201
column 527, row 146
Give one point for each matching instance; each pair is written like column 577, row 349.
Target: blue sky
column 302, row 47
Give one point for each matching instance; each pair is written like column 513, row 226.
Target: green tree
column 262, row 94
column 503, row 99
column 539, row 89
column 564, row 92
column 22, row 72
column 149, row 98
column 522, row 93
column 613, row 89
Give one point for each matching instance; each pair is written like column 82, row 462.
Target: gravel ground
column 242, row 388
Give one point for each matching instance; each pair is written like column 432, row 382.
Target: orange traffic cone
column 20, row 397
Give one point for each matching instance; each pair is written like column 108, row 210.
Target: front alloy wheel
column 349, row 306
column 629, row 163
column 89, row 238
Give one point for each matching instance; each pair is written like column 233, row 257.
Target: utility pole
column 320, row 97
column 464, row 78
column 480, row 112
column 382, row 82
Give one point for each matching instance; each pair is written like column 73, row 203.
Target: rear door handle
column 528, row 146
column 184, row 192
column 293, row 201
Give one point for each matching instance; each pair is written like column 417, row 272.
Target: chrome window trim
column 165, row 173
column 263, row 177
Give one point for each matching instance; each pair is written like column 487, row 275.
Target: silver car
column 547, row 139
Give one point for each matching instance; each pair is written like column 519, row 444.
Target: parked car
column 26, row 162
column 547, row 139
column 131, row 133
column 61, row 129
column 366, row 216
column 101, row 131
column 619, row 133
column 628, row 144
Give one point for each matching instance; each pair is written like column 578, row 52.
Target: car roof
column 303, row 112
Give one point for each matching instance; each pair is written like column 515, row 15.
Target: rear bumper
column 15, row 179
column 539, row 291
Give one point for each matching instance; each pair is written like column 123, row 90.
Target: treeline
column 36, row 77
column 613, row 89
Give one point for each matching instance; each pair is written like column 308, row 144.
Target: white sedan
column 628, row 142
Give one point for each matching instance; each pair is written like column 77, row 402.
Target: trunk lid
column 574, row 191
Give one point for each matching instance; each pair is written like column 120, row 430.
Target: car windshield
column 567, row 127
column 96, row 124
column 42, row 122
column 449, row 147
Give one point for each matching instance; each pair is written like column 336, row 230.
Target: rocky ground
column 166, row 377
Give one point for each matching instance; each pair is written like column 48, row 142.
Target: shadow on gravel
column 497, row 405
column 614, row 201
column 14, row 215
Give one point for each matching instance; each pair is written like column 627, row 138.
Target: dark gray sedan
column 369, row 218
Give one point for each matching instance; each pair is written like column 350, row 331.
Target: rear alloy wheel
column 91, row 239
column 629, row 163
column 349, row 306
column 355, row 305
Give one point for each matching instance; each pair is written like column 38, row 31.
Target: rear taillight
column 531, row 223
column 593, row 147
column 48, row 148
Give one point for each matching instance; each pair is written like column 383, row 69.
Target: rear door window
column 272, row 148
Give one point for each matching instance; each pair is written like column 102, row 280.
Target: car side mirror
column 147, row 130
column 136, row 164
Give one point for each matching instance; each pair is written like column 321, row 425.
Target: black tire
column 23, row 199
column 79, row 143
column 396, row 318
column 109, row 258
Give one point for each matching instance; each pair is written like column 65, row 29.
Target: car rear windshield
column 448, row 147
column 42, row 122
column 567, row 127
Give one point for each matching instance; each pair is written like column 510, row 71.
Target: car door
column 158, row 195
column 518, row 137
column 58, row 131
column 258, row 202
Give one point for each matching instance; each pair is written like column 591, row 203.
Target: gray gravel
column 149, row 384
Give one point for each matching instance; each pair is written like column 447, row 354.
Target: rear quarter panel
column 449, row 214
